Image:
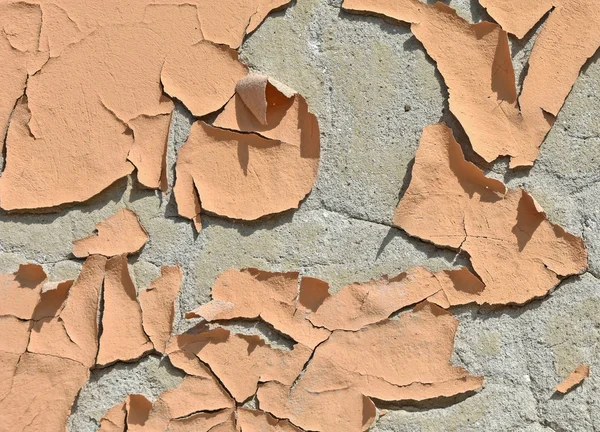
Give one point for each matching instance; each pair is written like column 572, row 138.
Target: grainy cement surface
column 373, row 89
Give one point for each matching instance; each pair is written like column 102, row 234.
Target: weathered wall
column 373, row 89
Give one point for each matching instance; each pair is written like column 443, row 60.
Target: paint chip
column 255, row 294
column 574, row 379
column 123, row 337
column 518, row 254
column 196, row 394
column 481, row 84
column 158, row 306
column 121, row 233
column 243, row 169
column 41, row 381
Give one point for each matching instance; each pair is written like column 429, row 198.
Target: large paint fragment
column 350, row 367
column 96, row 111
column 123, row 337
column 272, row 297
column 158, row 306
column 46, row 355
column 121, row 233
column 569, row 37
column 475, row 61
column 99, row 105
column 241, row 362
column 327, row 379
column 73, row 332
column 19, row 57
column 260, row 157
column 518, row 254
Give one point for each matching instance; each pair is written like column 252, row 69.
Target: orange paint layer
column 395, row 360
column 272, row 297
column 325, row 383
column 481, row 84
column 149, row 149
column 240, row 361
column 73, row 332
column 244, row 169
column 358, row 305
column 158, row 306
column 574, row 379
column 21, row 24
column 114, row 419
column 123, row 338
column 46, row 353
column 121, row 233
column 260, row 421
column 87, row 121
column 518, row 254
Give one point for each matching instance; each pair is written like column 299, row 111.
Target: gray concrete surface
column 373, row 89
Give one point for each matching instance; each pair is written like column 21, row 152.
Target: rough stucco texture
column 373, row 90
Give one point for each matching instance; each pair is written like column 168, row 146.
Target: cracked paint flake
column 303, row 309
column 569, row 37
column 395, row 360
column 518, row 254
column 73, row 332
column 243, row 169
column 256, row 420
column 51, row 350
column 203, row 78
column 41, row 381
column 241, row 362
column 272, row 297
column 82, row 110
column 123, row 337
column 327, row 385
column 149, row 149
column 195, row 405
column 483, row 94
column 119, row 234
column 574, row 379
column 219, row 421
column 20, row 291
column 358, row 305
column 114, row 419
column 158, row 306
column 20, row 26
